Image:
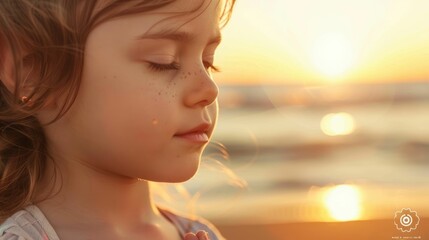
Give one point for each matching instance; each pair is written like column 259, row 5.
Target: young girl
column 98, row 99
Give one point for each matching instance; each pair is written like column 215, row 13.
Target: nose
column 202, row 90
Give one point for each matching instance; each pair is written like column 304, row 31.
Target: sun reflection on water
column 335, row 124
column 343, row 202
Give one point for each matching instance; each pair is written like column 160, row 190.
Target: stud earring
column 26, row 100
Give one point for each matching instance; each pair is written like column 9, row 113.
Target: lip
column 196, row 137
column 203, row 127
column 198, row 134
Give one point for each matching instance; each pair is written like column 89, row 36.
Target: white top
column 31, row 224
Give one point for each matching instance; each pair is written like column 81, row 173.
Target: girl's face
column 137, row 93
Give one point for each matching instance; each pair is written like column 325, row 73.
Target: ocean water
column 280, row 150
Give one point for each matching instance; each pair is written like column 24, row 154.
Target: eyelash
column 175, row 66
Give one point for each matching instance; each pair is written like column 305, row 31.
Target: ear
column 28, row 74
column 6, row 63
column 7, row 69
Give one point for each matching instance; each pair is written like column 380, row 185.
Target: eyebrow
column 179, row 37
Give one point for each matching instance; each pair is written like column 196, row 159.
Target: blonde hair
column 47, row 37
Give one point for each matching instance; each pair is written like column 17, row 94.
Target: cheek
column 142, row 117
column 126, row 113
column 129, row 128
column 149, row 120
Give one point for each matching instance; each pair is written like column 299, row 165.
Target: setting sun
column 309, row 41
column 332, row 54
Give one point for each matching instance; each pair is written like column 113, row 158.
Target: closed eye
column 176, row 66
column 163, row 67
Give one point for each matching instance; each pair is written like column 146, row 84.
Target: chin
column 176, row 175
column 180, row 179
column 176, row 178
column 182, row 176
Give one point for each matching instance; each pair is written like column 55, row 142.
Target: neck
column 97, row 199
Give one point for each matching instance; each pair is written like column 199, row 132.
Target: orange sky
column 330, row 41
